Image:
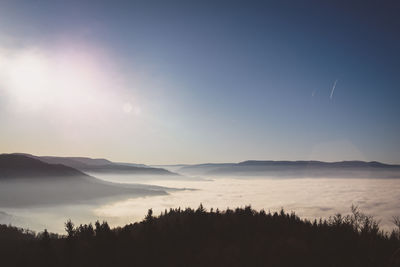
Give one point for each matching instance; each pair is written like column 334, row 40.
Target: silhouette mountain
column 26, row 181
column 296, row 169
column 13, row 165
column 102, row 165
column 321, row 164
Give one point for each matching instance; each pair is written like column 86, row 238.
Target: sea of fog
column 307, row 197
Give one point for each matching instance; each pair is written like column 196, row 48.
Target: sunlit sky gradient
column 196, row 81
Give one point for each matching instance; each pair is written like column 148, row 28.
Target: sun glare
column 25, row 78
column 66, row 81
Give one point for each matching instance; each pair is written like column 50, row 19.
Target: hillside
column 296, row 169
column 102, row 165
column 18, row 166
column 26, row 181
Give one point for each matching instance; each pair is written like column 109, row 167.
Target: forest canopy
column 197, row 237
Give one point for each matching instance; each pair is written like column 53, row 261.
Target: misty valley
column 74, row 211
column 199, row 133
column 44, row 192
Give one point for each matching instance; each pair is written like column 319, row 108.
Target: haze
column 195, row 82
column 111, row 109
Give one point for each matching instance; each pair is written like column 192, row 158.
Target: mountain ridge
column 311, row 168
column 344, row 163
column 15, row 165
column 101, row 165
column 26, row 181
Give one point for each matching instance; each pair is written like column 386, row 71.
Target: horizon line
column 205, row 163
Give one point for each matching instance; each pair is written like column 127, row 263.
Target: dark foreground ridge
column 240, row 237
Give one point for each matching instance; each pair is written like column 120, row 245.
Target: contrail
column 333, row 89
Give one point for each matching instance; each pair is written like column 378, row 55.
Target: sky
column 164, row 82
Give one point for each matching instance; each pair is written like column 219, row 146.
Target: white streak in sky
column 333, row 89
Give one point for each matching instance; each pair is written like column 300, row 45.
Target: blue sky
column 202, row 81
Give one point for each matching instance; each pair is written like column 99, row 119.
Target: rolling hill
column 296, row 169
column 91, row 165
column 26, row 181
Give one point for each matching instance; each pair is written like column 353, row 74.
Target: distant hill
column 127, row 169
column 202, row 169
column 102, row 165
column 14, row 165
column 296, row 169
column 318, row 164
column 26, row 181
column 133, row 164
column 171, row 168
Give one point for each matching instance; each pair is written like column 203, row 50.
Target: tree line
column 197, row 237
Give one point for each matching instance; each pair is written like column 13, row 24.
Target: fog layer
column 308, row 197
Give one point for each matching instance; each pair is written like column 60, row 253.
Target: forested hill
column 240, row 237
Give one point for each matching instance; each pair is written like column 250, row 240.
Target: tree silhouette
column 195, row 237
column 149, row 216
column 69, row 228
